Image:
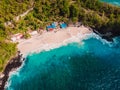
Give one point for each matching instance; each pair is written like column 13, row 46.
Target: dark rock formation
column 13, row 64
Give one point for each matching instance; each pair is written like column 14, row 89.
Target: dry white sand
column 52, row 39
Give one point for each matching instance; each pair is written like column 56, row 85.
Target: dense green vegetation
column 8, row 10
column 7, row 50
column 93, row 13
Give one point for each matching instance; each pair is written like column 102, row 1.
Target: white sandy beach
column 52, row 39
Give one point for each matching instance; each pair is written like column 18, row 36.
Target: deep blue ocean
column 92, row 65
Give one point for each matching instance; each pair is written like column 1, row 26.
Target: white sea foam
column 12, row 73
column 79, row 39
column 104, row 41
column 51, row 46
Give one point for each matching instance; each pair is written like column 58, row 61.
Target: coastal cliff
column 12, row 65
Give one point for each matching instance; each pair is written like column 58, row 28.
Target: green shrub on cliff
column 7, row 50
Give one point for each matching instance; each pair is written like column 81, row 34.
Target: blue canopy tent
column 49, row 27
column 63, row 25
column 53, row 25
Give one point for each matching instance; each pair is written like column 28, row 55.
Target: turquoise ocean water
column 114, row 2
column 92, row 65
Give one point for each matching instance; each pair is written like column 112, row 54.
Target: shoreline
column 12, row 65
column 37, row 43
column 52, row 39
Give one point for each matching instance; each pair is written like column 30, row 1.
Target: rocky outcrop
column 12, row 65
